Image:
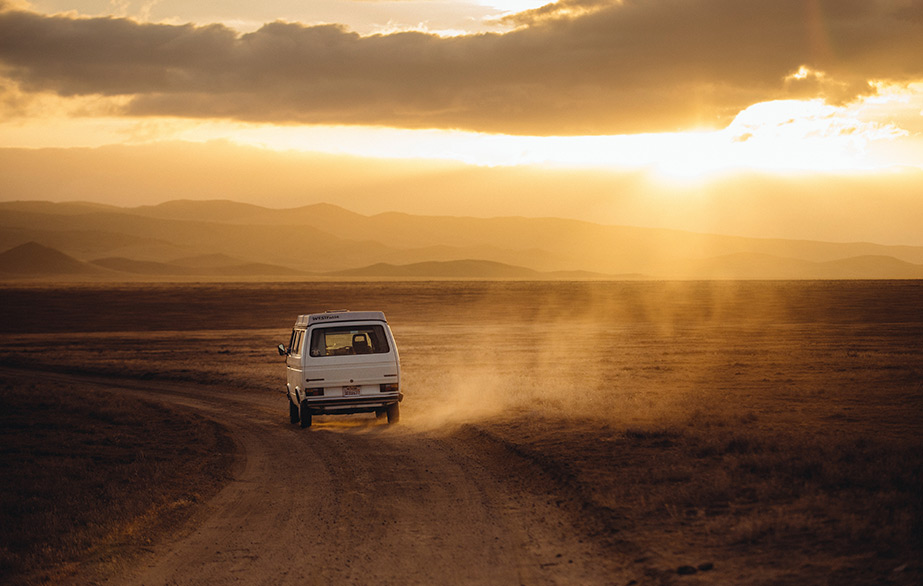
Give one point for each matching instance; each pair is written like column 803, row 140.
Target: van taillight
column 316, row 392
column 388, row 387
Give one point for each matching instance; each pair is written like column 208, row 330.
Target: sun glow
column 781, row 136
column 791, row 136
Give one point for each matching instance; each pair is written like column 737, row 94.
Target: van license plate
column 351, row 391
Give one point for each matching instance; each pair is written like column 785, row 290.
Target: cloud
column 578, row 67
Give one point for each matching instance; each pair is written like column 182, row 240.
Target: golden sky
column 686, row 92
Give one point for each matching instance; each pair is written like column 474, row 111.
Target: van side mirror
column 282, row 351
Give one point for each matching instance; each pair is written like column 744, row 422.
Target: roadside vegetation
column 762, row 506
column 90, row 477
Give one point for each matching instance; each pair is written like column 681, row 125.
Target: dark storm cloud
column 585, row 66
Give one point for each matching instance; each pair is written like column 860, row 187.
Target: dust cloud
column 633, row 353
column 627, row 354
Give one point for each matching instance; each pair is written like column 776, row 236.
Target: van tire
column 293, row 412
column 305, row 415
column 394, row 413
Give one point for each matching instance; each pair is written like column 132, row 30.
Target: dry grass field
column 91, row 476
column 703, row 432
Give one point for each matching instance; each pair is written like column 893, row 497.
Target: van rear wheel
column 293, row 412
column 305, row 415
column 394, row 413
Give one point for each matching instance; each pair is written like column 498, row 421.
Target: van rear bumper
column 360, row 404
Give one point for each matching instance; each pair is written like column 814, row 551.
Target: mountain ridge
column 325, row 239
column 33, row 259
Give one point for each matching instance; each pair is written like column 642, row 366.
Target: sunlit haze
column 581, row 87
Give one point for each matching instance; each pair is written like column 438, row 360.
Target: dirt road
column 356, row 501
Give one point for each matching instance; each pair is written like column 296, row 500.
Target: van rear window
column 349, row 340
column 295, row 347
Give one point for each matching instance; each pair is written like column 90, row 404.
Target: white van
column 342, row 362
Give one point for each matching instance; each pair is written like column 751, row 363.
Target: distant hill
column 33, row 259
column 214, row 210
column 254, row 269
column 142, row 267
column 86, row 244
column 467, row 269
column 138, row 267
column 747, row 266
column 225, row 239
column 764, row 266
column 459, row 269
column 70, row 208
column 872, row 267
column 207, row 261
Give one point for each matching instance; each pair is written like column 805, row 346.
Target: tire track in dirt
column 354, row 501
